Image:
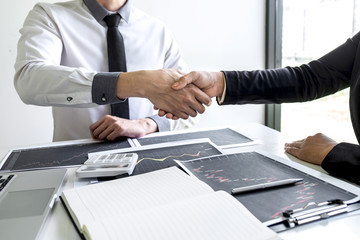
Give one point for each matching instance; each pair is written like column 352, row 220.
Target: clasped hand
column 204, row 84
column 156, row 85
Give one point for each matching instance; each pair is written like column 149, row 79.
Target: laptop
column 26, row 199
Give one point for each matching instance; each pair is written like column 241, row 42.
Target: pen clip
column 318, row 211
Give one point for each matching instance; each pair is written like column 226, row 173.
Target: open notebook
column 164, row 204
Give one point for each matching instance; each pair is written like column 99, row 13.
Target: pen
column 265, row 185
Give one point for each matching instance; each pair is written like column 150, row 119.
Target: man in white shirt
column 62, row 62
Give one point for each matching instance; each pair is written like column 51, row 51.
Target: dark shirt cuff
column 104, row 88
column 162, row 122
column 344, row 161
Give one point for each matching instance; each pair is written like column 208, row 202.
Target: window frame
column 273, row 55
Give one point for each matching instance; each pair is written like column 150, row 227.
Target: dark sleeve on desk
column 163, row 123
column 104, row 88
column 307, row 82
column 344, row 161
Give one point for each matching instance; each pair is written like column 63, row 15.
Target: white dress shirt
column 62, row 62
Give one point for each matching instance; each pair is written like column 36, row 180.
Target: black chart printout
column 221, row 137
column 163, row 157
column 243, row 169
column 57, row 156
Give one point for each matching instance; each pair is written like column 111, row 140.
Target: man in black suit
column 333, row 72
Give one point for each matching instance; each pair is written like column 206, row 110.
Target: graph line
column 167, row 157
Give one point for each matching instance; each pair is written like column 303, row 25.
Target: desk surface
column 59, row 226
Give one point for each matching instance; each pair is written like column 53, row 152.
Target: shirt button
column 103, row 99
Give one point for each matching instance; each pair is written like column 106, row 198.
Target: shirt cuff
column 162, row 122
column 221, row 100
column 104, row 88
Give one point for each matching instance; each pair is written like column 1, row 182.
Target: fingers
column 295, row 144
column 103, row 128
column 185, row 80
column 108, row 127
column 170, row 116
column 173, row 117
column 97, row 128
column 202, row 98
column 161, row 112
column 295, row 151
column 112, row 135
column 189, row 103
column 184, row 115
column 191, row 100
column 294, row 148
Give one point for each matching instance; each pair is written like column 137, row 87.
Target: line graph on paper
column 221, row 137
column 57, row 156
column 243, row 169
column 169, row 157
column 163, row 157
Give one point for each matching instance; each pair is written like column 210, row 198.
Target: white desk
column 59, row 226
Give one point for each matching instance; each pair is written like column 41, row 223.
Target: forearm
column 132, row 84
column 291, row 84
column 51, row 85
column 319, row 78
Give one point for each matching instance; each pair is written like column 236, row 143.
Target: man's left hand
column 111, row 127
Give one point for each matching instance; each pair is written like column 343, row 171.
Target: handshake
column 175, row 94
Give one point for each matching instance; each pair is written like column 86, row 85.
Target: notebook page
column 212, row 216
column 132, row 194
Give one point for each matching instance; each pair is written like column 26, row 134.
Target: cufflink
column 103, row 98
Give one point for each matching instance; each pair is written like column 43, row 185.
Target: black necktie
column 117, row 59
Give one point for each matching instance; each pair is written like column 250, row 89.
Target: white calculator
column 107, row 165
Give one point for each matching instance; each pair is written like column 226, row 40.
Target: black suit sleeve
column 344, row 161
column 307, row 82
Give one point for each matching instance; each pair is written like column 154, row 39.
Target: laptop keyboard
column 4, row 180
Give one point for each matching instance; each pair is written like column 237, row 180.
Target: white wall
column 19, row 124
column 213, row 35
column 217, row 35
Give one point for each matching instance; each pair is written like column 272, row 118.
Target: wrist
column 220, row 84
column 129, row 84
column 149, row 125
column 221, row 98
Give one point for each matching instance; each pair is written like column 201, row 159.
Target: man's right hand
column 156, row 86
column 211, row 83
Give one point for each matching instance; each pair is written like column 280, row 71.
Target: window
column 312, row 28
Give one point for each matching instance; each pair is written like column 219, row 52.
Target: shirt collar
column 99, row 12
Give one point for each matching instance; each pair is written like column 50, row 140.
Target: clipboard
column 312, row 212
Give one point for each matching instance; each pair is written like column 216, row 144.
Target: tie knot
column 112, row 20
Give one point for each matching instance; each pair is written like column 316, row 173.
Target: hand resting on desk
column 111, row 127
column 312, row 149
